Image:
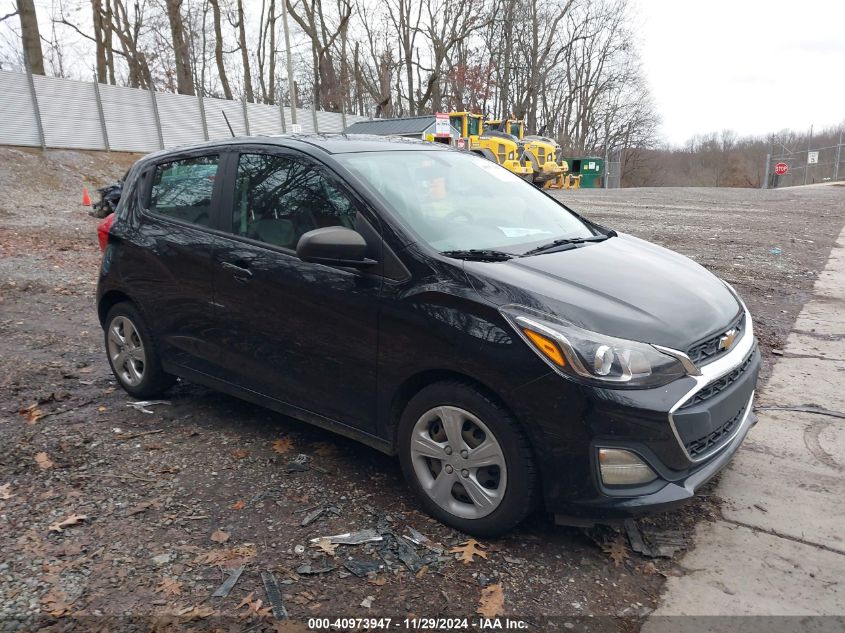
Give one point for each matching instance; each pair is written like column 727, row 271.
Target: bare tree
column 181, row 51
column 218, row 48
column 30, row 36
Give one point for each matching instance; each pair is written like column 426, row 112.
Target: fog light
column 623, row 468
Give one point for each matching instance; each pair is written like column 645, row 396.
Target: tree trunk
column 181, row 51
column 244, row 53
column 31, row 37
column 218, row 49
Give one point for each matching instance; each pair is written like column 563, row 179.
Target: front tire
column 132, row 353
column 467, row 459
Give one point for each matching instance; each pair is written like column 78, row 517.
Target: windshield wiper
column 479, row 255
column 567, row 241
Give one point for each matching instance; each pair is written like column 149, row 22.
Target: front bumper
column 686, row 432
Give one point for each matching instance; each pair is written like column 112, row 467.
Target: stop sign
column 781, row 169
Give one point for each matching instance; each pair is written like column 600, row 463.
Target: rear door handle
column 239, row 269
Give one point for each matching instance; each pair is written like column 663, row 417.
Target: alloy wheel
column 458, row 462
column 126, row 351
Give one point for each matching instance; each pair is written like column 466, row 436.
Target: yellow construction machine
column 544, row 154
column 494, row 145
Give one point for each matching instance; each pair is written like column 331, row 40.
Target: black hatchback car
column 432, row 305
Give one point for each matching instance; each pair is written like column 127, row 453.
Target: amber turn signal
column 547, row 347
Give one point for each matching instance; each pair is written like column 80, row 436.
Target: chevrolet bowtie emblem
column 727, row 339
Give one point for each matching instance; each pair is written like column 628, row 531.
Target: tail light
column 103, row 229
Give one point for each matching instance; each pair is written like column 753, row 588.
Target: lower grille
column 702, row 445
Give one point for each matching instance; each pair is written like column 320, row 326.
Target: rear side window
column 278, row 198
column 182, row 189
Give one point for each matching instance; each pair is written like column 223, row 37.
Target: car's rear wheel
column 132, row 354
column 467, row 459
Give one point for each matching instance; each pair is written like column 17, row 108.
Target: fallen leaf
column 101, row 409
column 617, row 550
column 196, row 613
column 32, row 413
column 378, row 581
column 303, row 597
column 73, row 519
column 43, row 460
column 253, row 607
column 55, row 603
column 219, row 536
column 326, row 545
column 5, row 492
column 422, row 572
column 227, row 557
column 169, row 587
column 238, row 505
column 240, row 453
column 325, row 449
column 153, row 447
column 141, row 507
column 368, row 602
column 492, row 602
column 283, row 445
column 468, row 550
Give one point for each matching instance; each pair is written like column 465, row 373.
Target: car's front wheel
column 132, row 354
column 467, row 459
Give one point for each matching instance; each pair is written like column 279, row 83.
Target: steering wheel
column 459, row 214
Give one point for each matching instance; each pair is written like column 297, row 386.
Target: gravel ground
column 174, row 500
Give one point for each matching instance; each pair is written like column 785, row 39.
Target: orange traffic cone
column 86, row 199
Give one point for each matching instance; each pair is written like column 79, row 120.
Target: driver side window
column 278, row 198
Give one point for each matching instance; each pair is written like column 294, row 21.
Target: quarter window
column 278, row 198
column 182, row 189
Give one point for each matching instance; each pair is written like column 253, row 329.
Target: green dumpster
column 590, row 168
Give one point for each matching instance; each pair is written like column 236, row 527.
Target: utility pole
column 807, row 165
column 838, row 157
column 291, row 84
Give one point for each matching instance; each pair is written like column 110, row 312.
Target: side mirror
column 334, row 246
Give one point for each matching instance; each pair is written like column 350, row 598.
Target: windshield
column 473, row 125
column 516, row 129
column 459, row 201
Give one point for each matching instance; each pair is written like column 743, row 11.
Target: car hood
column 624, row 286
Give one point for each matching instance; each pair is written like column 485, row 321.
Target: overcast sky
column 753, row 66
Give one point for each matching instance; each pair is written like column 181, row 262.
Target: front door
column 302, row 333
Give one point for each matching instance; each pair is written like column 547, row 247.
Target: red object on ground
column 86, row 199
column 781, row 169
column 103, row 229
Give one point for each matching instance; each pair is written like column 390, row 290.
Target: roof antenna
column 231, row 131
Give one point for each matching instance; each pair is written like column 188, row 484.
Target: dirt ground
column 114, row 518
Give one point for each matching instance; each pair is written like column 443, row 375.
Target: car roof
column 329, row 143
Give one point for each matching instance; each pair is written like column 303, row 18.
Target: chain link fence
column 805, row 166
column 41, row 111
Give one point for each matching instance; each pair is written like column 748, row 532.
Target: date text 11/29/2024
column 418, row 624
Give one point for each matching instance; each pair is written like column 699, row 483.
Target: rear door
column 305, row 334
column 179, row 203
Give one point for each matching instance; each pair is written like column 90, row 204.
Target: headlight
column 592, row 357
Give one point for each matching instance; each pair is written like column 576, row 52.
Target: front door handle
column 239, row 269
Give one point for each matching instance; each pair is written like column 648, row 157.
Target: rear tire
column 467, row 459
column 132, row 353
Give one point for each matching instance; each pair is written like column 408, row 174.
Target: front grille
column 702, row 445
column 720, row 385
column 707, row 350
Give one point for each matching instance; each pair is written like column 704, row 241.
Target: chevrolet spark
column 433, row 306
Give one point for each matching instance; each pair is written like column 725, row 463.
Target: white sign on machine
column 441, row 124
